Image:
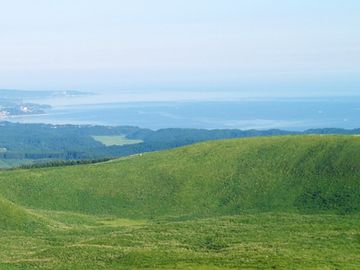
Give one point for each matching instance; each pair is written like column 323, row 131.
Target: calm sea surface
column 290, row 114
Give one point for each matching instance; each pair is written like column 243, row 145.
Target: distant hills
column 27, row 144
column 13, row 94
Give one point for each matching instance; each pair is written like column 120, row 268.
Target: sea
column 292, row 113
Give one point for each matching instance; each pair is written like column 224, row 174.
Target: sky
column 247, row 47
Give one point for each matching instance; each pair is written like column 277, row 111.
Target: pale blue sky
column 250, row 46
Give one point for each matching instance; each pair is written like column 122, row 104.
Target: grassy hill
column 275, row 202
column 311, row 173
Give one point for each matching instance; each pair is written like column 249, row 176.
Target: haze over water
column 216, row 110
column 181, row 63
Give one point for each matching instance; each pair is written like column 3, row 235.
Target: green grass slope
column 260, row 203
column 296, row 173
column 13, row 217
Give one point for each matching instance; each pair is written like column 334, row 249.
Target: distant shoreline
column 296, row 115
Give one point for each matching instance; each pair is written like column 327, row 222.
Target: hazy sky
column 249, row 46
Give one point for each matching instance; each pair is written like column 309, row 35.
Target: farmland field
column 115, row 140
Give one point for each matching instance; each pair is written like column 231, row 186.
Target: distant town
column 14, row 102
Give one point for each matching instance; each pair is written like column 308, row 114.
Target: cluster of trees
column 51, row 143
column 61, row 163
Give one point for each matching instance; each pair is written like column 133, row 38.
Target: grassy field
column 248, row 241
column 261, row 203
column 115, row 140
